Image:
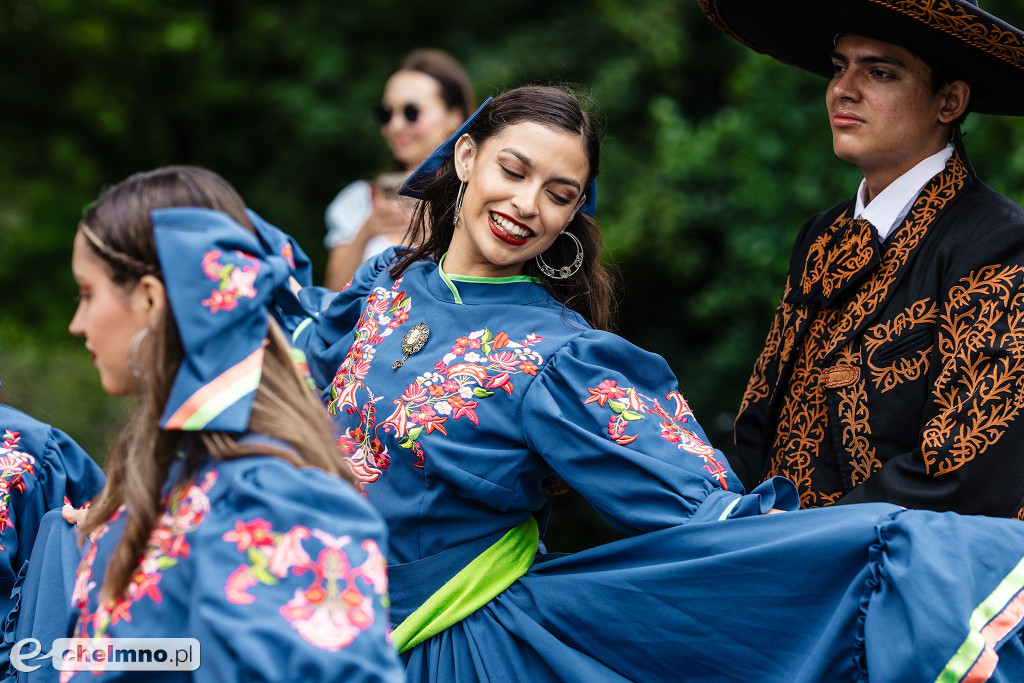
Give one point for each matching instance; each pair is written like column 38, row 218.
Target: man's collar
column 890, row 207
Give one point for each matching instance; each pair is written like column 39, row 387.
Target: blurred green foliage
column 713, row 156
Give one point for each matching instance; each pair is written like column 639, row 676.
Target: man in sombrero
column 894, row 369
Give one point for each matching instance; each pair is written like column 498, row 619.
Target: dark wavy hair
column 590, row 291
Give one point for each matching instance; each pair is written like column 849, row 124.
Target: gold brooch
column 413, row 341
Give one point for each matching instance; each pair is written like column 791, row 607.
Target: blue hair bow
column 424, row 174
column 221, row 280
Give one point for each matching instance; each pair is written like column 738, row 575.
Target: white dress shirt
column 891, row 206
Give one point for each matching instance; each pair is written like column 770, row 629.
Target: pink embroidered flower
column 401, row 316
column 211, row 265
column 287, row 552
column 377, row 305
column 243, row 281
column 145, row 585
column 11, row 439
column 451, row 386
column 605, row 391
column 422, row 415
column 299, row 608
column 357, row 435
column 360, row 369
column 441, row 367
column 237, row 586
column 120, row 610
column 504, row 360
column 468, row 409
column 436, row 390
column 462, row 341
column 345, row 446
column 83, row 584
column 414, row 393
column 473, row 344
column 498, row 381
column 220, row 301
column 248, row 534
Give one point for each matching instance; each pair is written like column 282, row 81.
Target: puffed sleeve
column 64, row 471
column 609, row 419
column 326, row 335
column 291, row 583
column 40, row 467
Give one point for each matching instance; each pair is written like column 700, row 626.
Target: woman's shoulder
column 37, row 452
column 269, row 487
column 595, row 355
column 18, row 430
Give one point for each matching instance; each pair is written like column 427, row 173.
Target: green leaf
column 164, row 562
column 487, row 338
column 617, row 406
column 480, row 392
column 263, row 576
column 632, row 415
column 405, row 442
column 415, row 432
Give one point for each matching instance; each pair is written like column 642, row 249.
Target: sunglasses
column 410, row 112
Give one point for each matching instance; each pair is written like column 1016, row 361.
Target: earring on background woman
column 458, row 203
column 135, row 364
column 565, row 271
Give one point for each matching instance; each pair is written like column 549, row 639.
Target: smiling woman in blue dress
column 468, row 376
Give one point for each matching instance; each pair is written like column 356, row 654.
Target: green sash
column 479, row 582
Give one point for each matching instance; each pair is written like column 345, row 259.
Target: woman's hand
column 73, row 515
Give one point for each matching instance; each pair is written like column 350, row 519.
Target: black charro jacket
column 895, row 372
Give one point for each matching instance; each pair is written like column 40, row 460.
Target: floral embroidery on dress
column 184, row 511
column 14, row 465
column 234, row 280
column 385, row 311
column 332, row 611
column 478, row 365
column 628, row 405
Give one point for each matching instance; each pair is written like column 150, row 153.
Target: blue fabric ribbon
column 220, row 280
column 424, row 174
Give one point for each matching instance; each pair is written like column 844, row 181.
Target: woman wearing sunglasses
column 424, row 101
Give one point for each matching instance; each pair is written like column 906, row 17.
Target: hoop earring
column 458, row 203
column 132, row 358
column 565, row 271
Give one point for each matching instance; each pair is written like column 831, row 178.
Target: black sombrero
column 983, row 49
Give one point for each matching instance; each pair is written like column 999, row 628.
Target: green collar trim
column 450, row 280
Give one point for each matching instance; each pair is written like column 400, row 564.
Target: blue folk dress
column 41, row 468
column 512, row 392
column 277, row 571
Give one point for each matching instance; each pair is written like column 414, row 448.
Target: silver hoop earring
column 132, row 358
column 458, row 203
column 565, row 271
